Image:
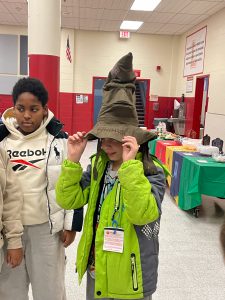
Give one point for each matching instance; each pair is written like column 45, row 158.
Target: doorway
column 98, row 83
column 201, row 105
column 142, row 88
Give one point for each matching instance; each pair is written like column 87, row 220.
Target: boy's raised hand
column 14, row 257
column 130, row 147
column 75, row 146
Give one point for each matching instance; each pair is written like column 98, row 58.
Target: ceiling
column 172, row 17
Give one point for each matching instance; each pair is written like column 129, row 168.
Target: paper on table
column 202, row 160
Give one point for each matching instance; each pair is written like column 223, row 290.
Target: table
column 169, row 158
column 152, row 146
column 176, row 169
column 160, row 150
column 200, row 175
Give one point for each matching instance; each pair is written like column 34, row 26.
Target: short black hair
column 30, row 85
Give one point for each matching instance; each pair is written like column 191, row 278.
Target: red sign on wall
column 137, row 73
column 124, row 34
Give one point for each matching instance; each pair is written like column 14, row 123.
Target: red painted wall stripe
column 46, row 68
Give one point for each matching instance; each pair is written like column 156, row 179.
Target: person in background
column 123, row 187
column 11, row 228
column 36, row 146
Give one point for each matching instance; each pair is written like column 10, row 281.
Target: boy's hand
column 68, row 237
column 14, row 257
column 76, row 145
column 130, row 147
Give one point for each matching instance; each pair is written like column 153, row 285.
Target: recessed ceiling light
column 145, row 5
column 131, row 25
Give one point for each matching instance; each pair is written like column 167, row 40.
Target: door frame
column 199, row 90
column 146, row 99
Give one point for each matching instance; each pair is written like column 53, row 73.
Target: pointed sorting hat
column 118, row 116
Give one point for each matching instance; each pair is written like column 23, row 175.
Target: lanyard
column 109, row 182
column 116, row 206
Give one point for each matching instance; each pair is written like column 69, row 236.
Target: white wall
column 95, row 53
column 67, row 68
column 214, row 65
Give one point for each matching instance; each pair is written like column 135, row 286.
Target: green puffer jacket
column 133, row 273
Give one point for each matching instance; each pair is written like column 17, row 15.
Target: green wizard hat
column 118, row 116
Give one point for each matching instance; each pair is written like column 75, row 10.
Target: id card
column 113, row 239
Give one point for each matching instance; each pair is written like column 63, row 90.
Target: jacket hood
column 10, row 122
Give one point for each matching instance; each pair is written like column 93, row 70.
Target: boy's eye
column 21, row 109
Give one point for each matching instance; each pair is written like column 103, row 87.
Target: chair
column 206, row 140
column 218, row 143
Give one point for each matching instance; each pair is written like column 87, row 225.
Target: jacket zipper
column 46, row 168
column 134, row 271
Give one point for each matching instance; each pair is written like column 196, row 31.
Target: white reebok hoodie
column 28, row 158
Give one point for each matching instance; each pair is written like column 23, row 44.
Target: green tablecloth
column 152, row 146
column 200, row 175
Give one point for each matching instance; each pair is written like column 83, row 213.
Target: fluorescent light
column 146, row 5
column 131, row 25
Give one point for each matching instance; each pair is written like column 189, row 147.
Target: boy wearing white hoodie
column 37, row 147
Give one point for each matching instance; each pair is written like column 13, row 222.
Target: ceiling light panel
column 145, row 5
column 130, row 25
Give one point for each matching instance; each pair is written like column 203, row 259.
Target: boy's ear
column 45, row 110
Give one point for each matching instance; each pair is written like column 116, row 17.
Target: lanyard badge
column 114, row 236
column 113, row 239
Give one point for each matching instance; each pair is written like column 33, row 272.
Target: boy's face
column 113, row 149
column 29, row 112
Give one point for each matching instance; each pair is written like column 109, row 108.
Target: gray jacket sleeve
column 158, row 183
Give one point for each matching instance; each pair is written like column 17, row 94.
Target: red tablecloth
column 160, row 151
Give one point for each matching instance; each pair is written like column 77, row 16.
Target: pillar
column 44, row 32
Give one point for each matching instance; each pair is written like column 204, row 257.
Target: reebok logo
column 23, row 164
column 26, row 153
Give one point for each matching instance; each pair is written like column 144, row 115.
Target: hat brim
column 117, row 133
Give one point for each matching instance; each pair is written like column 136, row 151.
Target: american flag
column 68, row 53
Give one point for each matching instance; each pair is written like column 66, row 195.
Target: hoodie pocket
column 134, row 271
